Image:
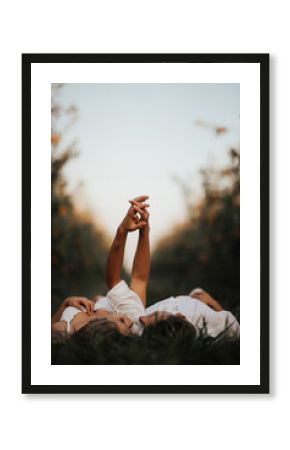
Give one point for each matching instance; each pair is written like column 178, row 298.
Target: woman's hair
column 89, row 345
column 90, row 330
column 96, row 327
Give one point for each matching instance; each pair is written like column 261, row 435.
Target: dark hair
column 170, row 341
column 89, row 345
column 90, row 330
column 172, row 326
column 94, row 328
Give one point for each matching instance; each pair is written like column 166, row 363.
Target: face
column 122, row 323
column 153, row 318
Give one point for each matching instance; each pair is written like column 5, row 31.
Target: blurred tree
column 205, row 251
column 79, row 247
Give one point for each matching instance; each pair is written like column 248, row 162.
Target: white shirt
column 122, row 300
column 199, row 315
column 125, row 301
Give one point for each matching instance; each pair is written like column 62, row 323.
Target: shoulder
column 167, row 305
column 120, row 288
column 69, row 313
column 102, row 303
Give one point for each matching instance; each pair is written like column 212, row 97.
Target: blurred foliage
column 204, row 251
column 78, row 247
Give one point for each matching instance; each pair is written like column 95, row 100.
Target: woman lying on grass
column 124, row 307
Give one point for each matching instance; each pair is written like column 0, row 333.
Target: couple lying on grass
column 124, row 307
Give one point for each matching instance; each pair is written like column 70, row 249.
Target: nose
column 142, row 319
column 126, row 321
column 129, row 323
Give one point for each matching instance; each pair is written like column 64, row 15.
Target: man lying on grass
column 124, row 307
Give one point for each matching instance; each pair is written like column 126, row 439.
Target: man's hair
column 172, row 326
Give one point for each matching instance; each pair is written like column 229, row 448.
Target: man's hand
column 82, row 303
column 204, row 297
column 137, row 215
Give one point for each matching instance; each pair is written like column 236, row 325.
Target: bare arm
column 82, row 303
column 141, row 265
column 204, row 297
column 58, row 313
column 115, row 258
column 130, row 223
column 215, row 305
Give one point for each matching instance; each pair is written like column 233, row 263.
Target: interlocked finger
column 131, row 211
column 142, row 211
column 141, row 198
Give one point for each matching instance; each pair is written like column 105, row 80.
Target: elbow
column 141, row 272
column 141, row 277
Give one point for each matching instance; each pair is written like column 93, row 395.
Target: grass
column 154, row 347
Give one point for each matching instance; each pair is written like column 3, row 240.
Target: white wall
column 218, row 422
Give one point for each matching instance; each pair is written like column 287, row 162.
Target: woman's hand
column 137, row 215
column 82, row 303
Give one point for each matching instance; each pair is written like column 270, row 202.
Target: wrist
column 121, row 230
column 145, row 229
column 65, row 303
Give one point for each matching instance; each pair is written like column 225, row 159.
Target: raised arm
column 115, row 258
column 141, row 264
column 131, row 222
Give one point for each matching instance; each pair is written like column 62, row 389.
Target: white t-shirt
column 71, row 311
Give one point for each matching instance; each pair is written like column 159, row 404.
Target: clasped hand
column 137, row 216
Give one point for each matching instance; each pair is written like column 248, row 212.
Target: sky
column 137, row 139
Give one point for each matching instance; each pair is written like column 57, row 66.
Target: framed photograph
column 145, row 231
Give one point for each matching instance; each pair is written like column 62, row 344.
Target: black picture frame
column 263, row 61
